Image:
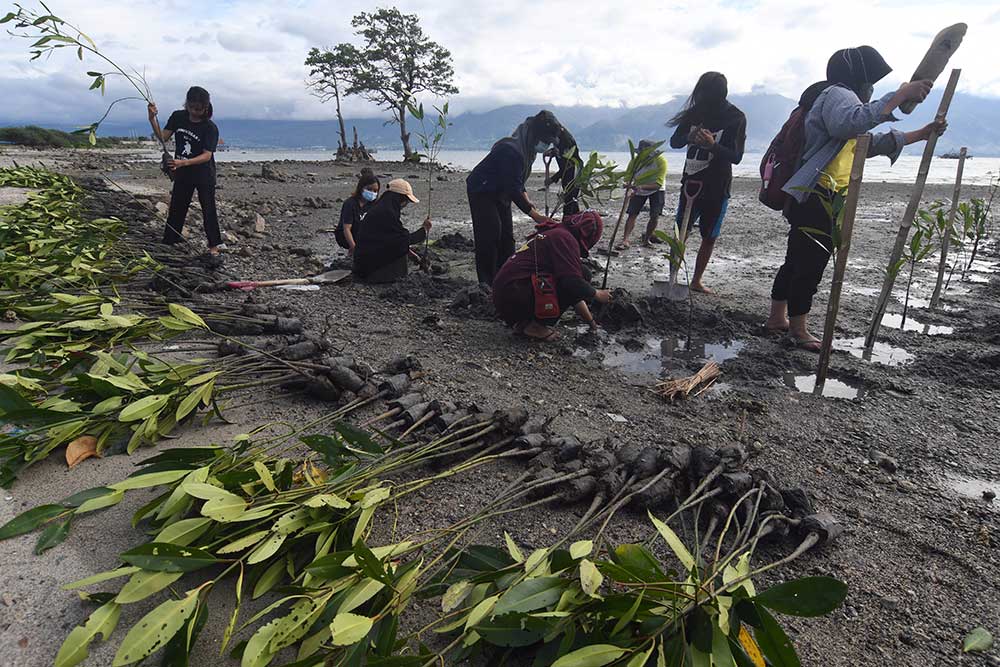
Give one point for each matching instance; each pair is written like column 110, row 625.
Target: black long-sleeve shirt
column 713, row 165
column 501, row 172
column 382, row 239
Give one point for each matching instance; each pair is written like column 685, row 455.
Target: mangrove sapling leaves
column 774, row 643
column 370, row 563
column 143, row 583
column 979, row 640
column 267, row 548
column 76, row 648
column 155, row 629
column 674, row 542
column 54, row 534
column 348, row 629
column 178, row 650
column 270, row 578
column 30, row 520
column 143, row 408
column 590, row 578
column 455, row 595
column 184, row 532
column 331, row 448
column 167, row 557
column 359, row 594
column 809, row 596
column 512, row 630
column 531, row 595
column 596, row 655
column 635, row 565
column 101, row 502
column 581, row 549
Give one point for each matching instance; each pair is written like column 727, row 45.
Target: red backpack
column 781, row 159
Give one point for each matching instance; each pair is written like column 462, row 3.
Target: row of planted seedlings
column 86, row 341
column 263, row 518
column 257, row 512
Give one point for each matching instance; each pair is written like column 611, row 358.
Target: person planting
column 354, row 209
column 383, row 244
column 196, row 138
column 545, row 277
column 499, row 180
column 650, row 187
column 714, row 131
column 841, row 111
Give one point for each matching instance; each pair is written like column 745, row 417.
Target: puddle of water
column 865, row 291
column 882, row 353
column 895, row 320
column 832, row 388
column 920, row 302
column 655, row 356
column 972, row 487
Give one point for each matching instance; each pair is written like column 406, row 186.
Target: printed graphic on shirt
column 699, row 158
column 186, row 149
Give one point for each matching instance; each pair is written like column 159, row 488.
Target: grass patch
column 41, row 137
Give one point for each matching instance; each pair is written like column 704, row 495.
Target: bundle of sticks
column 682, row 387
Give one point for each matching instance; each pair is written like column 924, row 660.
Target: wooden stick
column 614, row 234
column 840, row 267
column 911, row 211
column 946, row 237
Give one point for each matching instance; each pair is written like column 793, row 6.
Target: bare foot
column 809, row 343
column 541, row 333
column 776, row 326
column 624, row 245
column 699, row 287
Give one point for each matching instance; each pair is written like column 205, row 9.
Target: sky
column 250, row 53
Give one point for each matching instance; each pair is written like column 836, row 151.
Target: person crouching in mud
column 354, row 209
column 383, row 244
column 545, row 277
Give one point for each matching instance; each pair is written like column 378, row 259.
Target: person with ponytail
column 546, row 277
column 196, row 139
column 842, row 109
column 714, row 132
column 354, row 209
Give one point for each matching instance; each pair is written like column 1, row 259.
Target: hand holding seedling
column 427, row 226
column 705, row 138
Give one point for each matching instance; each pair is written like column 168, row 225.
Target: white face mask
column 368, row 195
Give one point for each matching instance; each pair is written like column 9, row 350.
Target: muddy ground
column 903, row 460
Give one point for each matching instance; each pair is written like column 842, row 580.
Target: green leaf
column 809, row 596
column 76, row 648
column 590, row 578
column 225, row 508
column 143, row 408
column 142, row 481
column 348, row 629
column 328, row 500
column 581, row 549
column 267, row 549
column 113, row 497
column 274, row 573
column 530, row 595
column 674, row 542
column 185, row 314
column 455, row 595
column 512, row 548
column 774, row 643
column 155, row 629
column 357, row 438
column 166, row 557
column 637, row 564
column 54, row 534
column 184, row 532
column 360, row 594
column 142, row 584
column 596, row 655
column 99, row 577
column 243, row 543
column 265, row 476
column 30, row 520
column 979, row 640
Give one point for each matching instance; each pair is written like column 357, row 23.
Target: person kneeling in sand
column 545, row 277
column 383, row 244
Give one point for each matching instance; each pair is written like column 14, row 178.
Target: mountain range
column 974, row 122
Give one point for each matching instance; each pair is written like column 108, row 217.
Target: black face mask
column 866, row 92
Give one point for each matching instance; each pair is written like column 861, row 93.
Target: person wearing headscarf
column 650, row 186
column 497, row 182
column 383, row 244
column 566, row 152
column 714, row 132
column 546, row 277
column 842, row 110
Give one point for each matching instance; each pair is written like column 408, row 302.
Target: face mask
column 866, row 92
column 368, row 195
column 541, row 146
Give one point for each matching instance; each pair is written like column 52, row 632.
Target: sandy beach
column 901, row 454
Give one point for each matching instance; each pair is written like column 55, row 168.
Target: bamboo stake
column 911, row 211
column 946, row 237
column 840, row 267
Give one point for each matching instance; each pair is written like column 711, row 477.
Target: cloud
column 250, row 53
column 245, row 42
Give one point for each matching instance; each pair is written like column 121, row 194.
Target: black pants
column 807, row 255
column 493, row 232
column 180, row 201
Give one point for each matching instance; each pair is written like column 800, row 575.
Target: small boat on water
column 952, row 155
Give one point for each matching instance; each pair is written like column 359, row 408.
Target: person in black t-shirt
column 714, row 132
column 196, row 138
column 354, row 209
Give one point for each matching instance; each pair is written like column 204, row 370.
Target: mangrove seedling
column 431, row 141
column 920, row 245
column 48, row 33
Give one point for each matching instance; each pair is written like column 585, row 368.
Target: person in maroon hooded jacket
column 545, row 277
